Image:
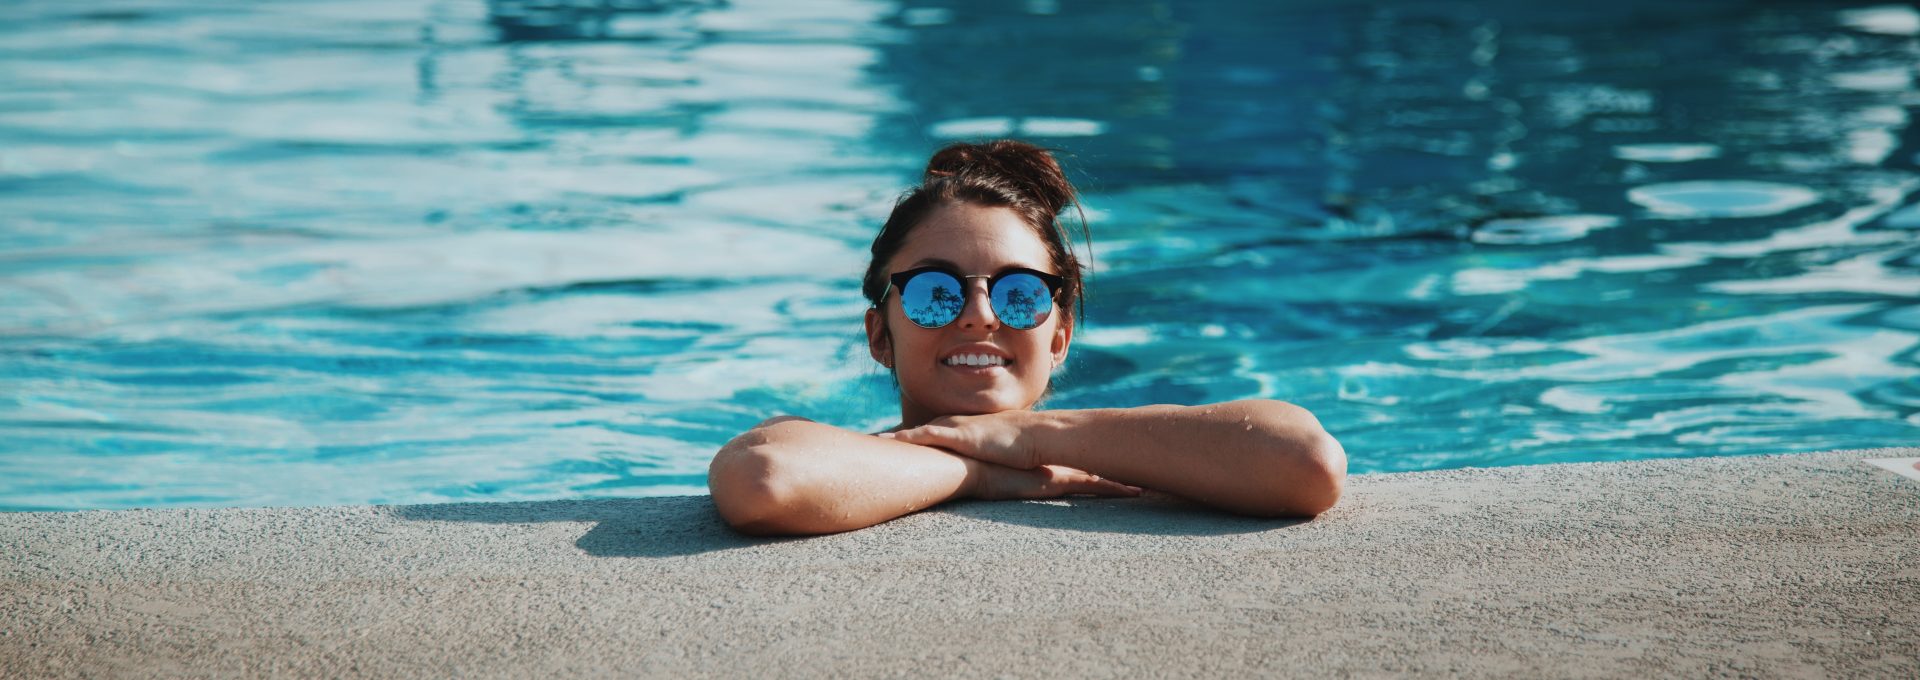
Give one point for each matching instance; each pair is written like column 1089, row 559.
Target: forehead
column 978, row 239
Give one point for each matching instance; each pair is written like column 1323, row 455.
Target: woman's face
column 972, row 240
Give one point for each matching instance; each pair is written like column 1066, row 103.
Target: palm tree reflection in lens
column 933, row 300
column 936, row 300
column 1021, row 301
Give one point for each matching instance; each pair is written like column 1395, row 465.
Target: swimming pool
column 302, row 253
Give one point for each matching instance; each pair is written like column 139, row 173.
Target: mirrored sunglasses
column 932, row 297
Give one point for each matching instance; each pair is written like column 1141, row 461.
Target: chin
column 983, row 403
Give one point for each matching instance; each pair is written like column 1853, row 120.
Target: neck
column 913, row 415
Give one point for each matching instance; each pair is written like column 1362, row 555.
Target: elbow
column 747, row 488
column 1309, row 465
column 1317, row 477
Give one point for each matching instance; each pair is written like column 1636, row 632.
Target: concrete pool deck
column 1797, row 565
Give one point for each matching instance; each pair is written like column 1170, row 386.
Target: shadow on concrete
column 1153, row 514
column 668, row 526
column 687, row 525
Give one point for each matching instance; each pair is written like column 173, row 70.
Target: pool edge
column 1789, row 564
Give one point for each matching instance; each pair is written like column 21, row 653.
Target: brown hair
column 1001, row 173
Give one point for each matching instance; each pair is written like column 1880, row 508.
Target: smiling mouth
column 976, row 361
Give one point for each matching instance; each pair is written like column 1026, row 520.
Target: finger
column 1093, row 484
column 933, row 435
column 927, row 435
column 1108, row 488
column 911, row 435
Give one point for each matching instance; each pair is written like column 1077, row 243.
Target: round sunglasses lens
column 932, row 299
column 1022, row 301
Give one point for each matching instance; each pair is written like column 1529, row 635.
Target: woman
column 974, row 288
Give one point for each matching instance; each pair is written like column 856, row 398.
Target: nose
column 978, row 312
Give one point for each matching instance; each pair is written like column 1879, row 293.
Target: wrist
column 974, row 479
column 1049, row 438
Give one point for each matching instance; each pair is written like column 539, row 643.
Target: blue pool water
column 293, row 253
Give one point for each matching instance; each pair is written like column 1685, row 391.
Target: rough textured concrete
column 1803, row 565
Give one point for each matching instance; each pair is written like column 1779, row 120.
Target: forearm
column 801, row 477
column 1255, row 457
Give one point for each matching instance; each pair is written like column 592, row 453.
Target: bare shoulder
column 1274, row 408
column 772, row 435
column 794, row 430
column 773, row 428
column 776, row 420
column 793, row 433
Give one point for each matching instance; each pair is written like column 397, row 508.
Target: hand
column 998, row 483
column 998, row 438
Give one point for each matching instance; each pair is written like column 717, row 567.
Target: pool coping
column 1802, row 564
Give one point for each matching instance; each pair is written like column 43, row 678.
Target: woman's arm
column 1257, row 456
column 794, row 476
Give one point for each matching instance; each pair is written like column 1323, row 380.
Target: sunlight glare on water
column 302, row 253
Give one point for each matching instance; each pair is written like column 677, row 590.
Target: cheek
column 1038, row 364
column 912, row 344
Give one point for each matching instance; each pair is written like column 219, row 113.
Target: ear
column 1062, row 338
column 878, row 344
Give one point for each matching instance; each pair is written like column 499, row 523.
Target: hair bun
column 1031, row 170
column 998, row 174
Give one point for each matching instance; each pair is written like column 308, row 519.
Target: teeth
column 975, row 360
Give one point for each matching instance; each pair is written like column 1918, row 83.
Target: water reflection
column 320, row 253
column 1549, row 180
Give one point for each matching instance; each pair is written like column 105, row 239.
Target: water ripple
column 306, row 253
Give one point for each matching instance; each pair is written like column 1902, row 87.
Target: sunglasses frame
column 1054, row 282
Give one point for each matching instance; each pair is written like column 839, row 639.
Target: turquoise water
column 297, row 253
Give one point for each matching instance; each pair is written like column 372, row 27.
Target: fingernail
column 885, row 435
